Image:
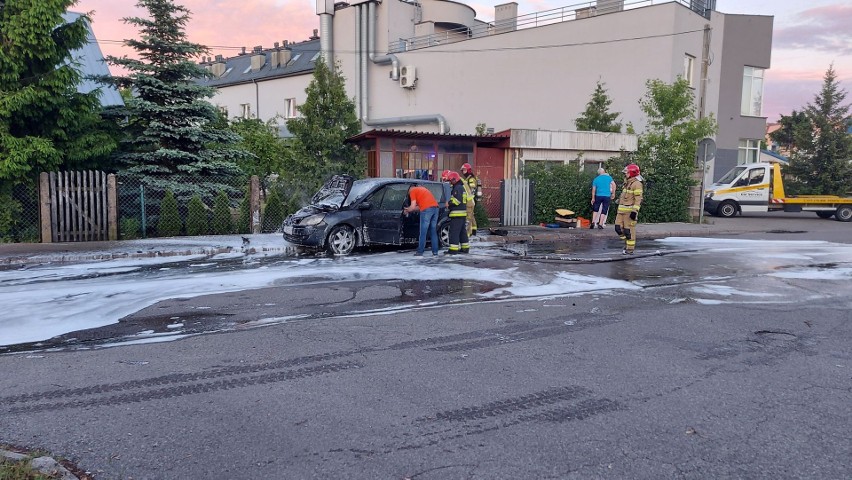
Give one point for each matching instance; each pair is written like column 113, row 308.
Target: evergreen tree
column 328, row 119
column 196, row 217
column 45, row 123
column 667, row 147
column 170, row 121
column 785, row 136
column 222, row 222
column 244, row 219
column 273, row 213
column 170, row 223
column 821, row 162
column 597, row 117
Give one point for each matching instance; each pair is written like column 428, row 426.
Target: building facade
column 431, row 66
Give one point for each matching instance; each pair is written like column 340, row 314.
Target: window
column 245, row 109
column 223, row 110
column 414, row 165
column 372, row 164
column 748, row 151
column 755, row 177
column 688, row 69
column 293, row 60
column 290, row 108
column 315, row 57
column 752, row 99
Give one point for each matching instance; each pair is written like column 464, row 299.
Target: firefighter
column 474, row 194
column 628, row 207
column 458, row 214
column 447, row 189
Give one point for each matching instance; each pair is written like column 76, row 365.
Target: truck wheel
column 843, row 213
column 341, row 240
column 727, row 209
column 825, row 214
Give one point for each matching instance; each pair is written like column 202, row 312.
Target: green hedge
column 559, row 186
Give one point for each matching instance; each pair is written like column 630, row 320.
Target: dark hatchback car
column 347, row 213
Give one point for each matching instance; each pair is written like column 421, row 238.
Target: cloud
column 822, row 28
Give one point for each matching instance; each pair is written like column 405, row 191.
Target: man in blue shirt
column 603, row 190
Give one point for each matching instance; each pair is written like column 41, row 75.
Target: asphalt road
column 709, row 368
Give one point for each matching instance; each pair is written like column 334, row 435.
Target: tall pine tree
column 597, row 117
column 820, row 163
column 328, row 119
column 170, row 121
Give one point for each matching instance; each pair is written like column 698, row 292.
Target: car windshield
column 359, row 189
column 730, row 176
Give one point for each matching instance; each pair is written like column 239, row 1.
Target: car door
column 755, row 198
column 381, row 221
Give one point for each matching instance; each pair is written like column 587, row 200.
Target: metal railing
column 576, row 11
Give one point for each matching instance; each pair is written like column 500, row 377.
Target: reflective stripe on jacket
column 631, row 195
column 458, row 200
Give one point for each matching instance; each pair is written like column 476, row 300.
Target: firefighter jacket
column 631, row 195
column 472, row 184
column 458, row 200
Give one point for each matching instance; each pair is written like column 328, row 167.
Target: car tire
column 727, row 209
column 341, row 240
column 825, row 214
column 444, row 234
column 843, row 213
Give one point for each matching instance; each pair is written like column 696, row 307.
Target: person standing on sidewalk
column 423, row 200
column 472, row 186
column 458, row 214
column 603, row 190
column 628, row 208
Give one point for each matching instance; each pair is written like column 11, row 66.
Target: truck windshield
column 730, row 176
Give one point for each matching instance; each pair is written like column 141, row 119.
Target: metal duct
column 371, row 48
column 365, row 28
column 326, row 39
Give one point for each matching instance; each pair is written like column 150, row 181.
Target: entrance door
column 489, row 169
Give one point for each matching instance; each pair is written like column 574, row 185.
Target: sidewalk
column 781, row 226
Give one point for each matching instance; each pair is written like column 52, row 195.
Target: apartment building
column 431, row 66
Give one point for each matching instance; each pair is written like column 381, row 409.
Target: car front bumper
column 306, row 236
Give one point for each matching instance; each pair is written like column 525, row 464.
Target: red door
column 489, row 168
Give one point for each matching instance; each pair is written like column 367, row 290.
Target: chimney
column 218, row 67
column 258, row 59
column 277, row 44
column 506, row 17
column 315, row 36
column 243, row 51
column 286, row 43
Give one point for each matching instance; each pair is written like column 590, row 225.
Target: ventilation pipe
column 365, row 31
column 325, row 10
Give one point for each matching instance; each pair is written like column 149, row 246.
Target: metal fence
column 19, row 213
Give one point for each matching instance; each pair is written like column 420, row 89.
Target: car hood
column 332, row 194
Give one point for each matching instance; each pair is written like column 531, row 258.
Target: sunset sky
column 808, row 36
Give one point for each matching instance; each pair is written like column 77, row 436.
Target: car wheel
column 825, row 214
column 844, row 213
column 341, row 240
column 444, row 234
column 727, row 209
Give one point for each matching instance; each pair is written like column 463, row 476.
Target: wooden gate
column 517, row 202
column 77, row 206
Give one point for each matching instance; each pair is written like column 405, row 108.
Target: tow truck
column 759, row 187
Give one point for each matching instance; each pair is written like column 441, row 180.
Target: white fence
column 517, row 202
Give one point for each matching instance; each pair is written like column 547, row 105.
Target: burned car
column 347, row 213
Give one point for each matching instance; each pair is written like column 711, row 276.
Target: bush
column 223, row 224
column 129, row 228
column 481, row 216
column 196, row 217
column 273, row 213
column 169, row 224
column 244, row 220
column 559, row 186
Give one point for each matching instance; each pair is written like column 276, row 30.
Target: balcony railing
column 548, row 17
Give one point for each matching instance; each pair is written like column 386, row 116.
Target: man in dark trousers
column 458, row 215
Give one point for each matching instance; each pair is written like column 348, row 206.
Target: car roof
column 386, row 180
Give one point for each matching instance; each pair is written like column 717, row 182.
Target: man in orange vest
column 423, row 200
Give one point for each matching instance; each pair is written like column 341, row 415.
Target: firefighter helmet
column 445, row 175
column 466, row 168
column 631, row 170
column 453, row 177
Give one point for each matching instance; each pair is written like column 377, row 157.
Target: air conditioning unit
column 407, row 76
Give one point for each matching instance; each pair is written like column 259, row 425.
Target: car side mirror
column 365, row 206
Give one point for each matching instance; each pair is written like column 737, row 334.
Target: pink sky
column 807, row 38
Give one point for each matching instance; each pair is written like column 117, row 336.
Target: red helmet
column 445, row 175
column 466, row 168
column 453, row 177
column 631, row 170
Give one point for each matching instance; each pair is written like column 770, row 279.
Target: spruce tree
column 820, row 163
column 328, row 119
column 273, row 213
column 597, row 117
column 170, row 119
column 196, row 217
column 169, row 224
column 222, row 222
